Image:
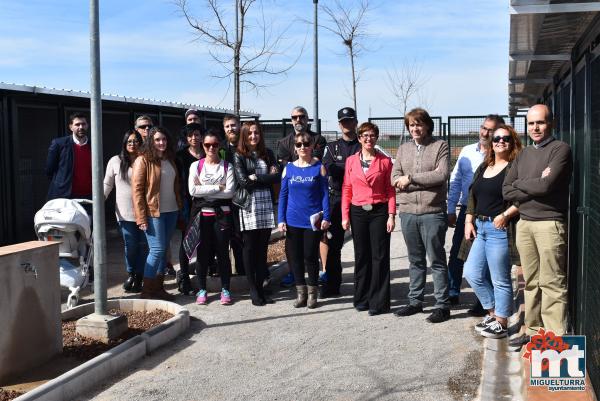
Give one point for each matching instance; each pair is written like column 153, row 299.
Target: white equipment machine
column 66, row 221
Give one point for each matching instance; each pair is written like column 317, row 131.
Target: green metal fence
column 274, row 130
column 393, row 132
column 464, row 130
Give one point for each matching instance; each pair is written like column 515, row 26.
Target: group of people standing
column 512, row 210
column 198, row 189
column 511, row 206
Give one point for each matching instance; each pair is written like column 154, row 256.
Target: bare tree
column 228, row 46
column 349, row 24
column 405, row 83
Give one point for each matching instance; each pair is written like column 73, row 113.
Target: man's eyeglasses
column 488, row 130
column 133, row 142
column 299, row 145
column 211, row 145
column 369, row 136
column 299, row 117
column 504, row 138
column 145, row 126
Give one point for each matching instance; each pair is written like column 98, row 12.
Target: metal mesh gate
column 588, row 291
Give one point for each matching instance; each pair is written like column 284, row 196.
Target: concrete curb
column 76, row 381
column 501, row 373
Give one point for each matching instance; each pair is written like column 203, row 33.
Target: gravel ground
column 276, row 352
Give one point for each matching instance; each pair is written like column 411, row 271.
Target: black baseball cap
column 346, row 112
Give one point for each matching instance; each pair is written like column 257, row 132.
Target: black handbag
column 241, row 198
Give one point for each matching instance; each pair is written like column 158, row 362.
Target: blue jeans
column 425, row 235
column 159, row 233
column 489, row 257
column 136, row 246
column 455, row 265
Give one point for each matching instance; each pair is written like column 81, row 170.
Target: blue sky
column 148, row 50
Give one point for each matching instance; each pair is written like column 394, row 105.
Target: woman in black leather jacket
column 255, row 171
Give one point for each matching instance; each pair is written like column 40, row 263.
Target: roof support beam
column 540, row 57
column 516, row 95
column 541, row 81
column 537, row 8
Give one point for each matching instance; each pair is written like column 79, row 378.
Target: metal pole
column 100, row 307
column 316, row 70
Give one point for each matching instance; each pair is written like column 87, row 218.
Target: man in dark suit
column 69, row 163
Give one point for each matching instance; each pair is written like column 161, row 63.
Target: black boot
column 184, row 284
column 128, row 284
column 137, row 282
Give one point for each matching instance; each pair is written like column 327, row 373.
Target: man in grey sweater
column 539, row 182
column 421, row 175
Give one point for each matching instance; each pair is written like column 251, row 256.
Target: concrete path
column 276, row 352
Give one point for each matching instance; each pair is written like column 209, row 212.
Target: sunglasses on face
column 299, row 145
column 211, row 145
column 145, row 126
column 299, row 117
column 505, row 139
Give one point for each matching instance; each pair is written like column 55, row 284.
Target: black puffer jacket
column 285, row 147
column 246, row 166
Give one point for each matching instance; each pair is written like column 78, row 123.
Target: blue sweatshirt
column 304, row 192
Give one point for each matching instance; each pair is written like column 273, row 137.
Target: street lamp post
column 99, row 325
column 97, row 161
column 316, row 69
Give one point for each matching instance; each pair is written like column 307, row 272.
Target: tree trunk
column 236, row 60
column 353, row 77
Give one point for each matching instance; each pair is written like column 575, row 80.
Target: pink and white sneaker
column 202, row 298
column 225, row 297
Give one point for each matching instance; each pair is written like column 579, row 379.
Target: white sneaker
column 494, row 330
column 487, row 320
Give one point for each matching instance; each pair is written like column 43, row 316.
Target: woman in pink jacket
column 369, row 205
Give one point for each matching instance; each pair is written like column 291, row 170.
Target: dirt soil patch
column 82, row 349
column 276, row 252
column 7, row 395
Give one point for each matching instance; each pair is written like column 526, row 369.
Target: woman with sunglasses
column 304, row 196
column 192, row 152
column 118, row 175
column 211, row 184
column 255, row 172
column 156, row 202
column 487, row 225
column 369, row 206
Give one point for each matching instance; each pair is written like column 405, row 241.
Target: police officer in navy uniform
column 334, row 160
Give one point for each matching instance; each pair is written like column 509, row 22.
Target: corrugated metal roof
column 124, row 99
column 542, row 36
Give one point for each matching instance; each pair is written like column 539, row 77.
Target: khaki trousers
column 542, row 247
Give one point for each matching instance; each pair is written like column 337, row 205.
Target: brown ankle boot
column 300, row 296
column 159, row 291
column 312, row 296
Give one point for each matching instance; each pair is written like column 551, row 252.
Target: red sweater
column 374, row 186
column 82, row 170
